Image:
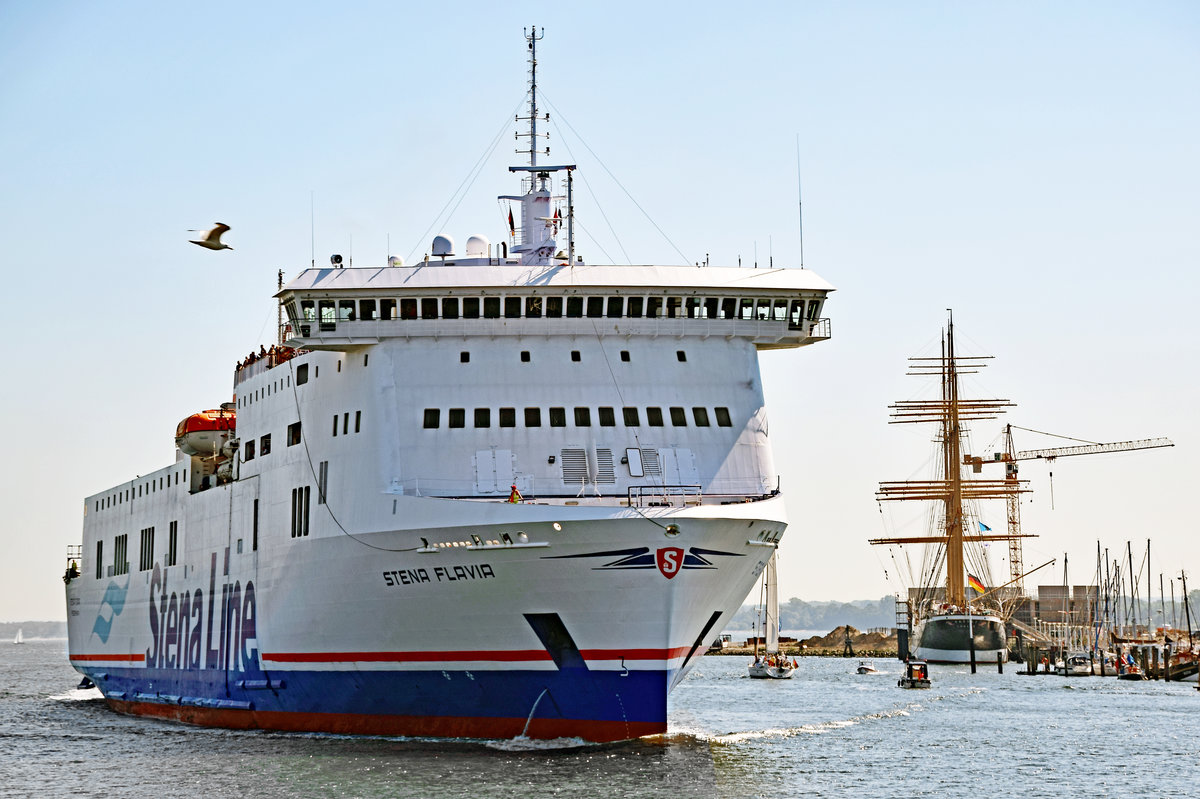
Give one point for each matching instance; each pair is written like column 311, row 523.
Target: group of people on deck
column 273, row 356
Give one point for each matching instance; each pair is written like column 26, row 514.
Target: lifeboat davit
column 206, row 432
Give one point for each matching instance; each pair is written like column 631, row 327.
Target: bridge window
column 583, row 417
column 674, row 307
column 533, row 417
column 432, row 418
column 595, row 307
column 558, row 417
column 723, row 419
column 700, row 416
column 554, row 307
column 693, row 307
column 635, row 307
column 345, row 310
column 710, row 307
column 814, row 310
column 508, row 417
column 408, row 309
column 533, row 307
column 483, row 417
column 779, row 312
column 387, row 310
column 457, row 417
column 574, row 307
column 654, row 307
column 678, row 417
column 366, row 310
column 654, row 417
column 308, row 310
column 449, row 307
column 630, row 417
column 491, row 307
column 470, row 307
column 512, row 307
column 607, row 417
column 746, row 309
column 429, row 308
column 615, row 307
column 728, row 308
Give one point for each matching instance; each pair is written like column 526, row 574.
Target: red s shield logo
column 669, row 560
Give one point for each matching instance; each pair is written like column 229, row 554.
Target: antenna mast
column 532, row 37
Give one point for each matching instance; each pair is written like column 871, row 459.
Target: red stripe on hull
column 138, row 658
column 406, row 657
column 412, row 726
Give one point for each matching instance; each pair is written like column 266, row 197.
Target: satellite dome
column 395, row 260
column 478, row 246
column 443, row 245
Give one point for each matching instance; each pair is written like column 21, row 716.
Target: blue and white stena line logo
column 114, row 601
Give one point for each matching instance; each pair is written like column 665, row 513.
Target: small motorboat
column 866, row 667
column 916, row 675
column 1075, row 665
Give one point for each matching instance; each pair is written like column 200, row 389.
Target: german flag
column 974, row 582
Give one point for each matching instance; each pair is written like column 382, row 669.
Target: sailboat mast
column 951, row 446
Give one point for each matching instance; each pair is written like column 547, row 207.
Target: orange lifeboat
column 206, row 432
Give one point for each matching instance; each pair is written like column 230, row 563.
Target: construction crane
column 1010, row 457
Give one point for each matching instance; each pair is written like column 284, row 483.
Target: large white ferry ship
column 500, row 492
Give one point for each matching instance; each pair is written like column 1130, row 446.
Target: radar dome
column 443, row 245
column 478, row 246
column 395, row 260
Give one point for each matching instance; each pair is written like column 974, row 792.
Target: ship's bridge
column 343, row 308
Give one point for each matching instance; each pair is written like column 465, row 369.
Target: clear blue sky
column 1032, row 165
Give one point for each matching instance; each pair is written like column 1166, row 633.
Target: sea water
column 826, row 732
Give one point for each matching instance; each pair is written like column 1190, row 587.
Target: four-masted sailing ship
column 948, row 626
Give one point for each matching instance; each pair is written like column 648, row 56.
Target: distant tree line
column 797, row 614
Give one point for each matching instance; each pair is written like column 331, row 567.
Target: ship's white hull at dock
column 946, row 638
column 423, row 631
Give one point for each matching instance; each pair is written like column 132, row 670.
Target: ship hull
column 578, row 632
column 948, row 639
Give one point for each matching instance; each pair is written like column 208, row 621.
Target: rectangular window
column 728, row 308
column 301, row 374
column 264, row 445
column 322, row 481
column 449, row 307
column 678, row 417
column 456, row 418
column 635, row 306
column 595, row 307
column 300, row 502
column 335, row 425
column 249, row 452
column 99, row 560
column 512, row 307
column 357, row 421
column 583, row 417
column 692, row 305
column 710, row 308
column 254, row 527
column 630, row 417
column 674, row 307
column 387, row 310
column 723, row 419
column 654, row 307
column 607, row 417
column 654, row 417
column 554, row 307
column 366, row 310
column 146, row 553
column 121, row 555
column 483, row 417
column 616, row 307
column 700, row 416
column 762, row 311
column 779, row 311
column 432, row 418
column 327, row 314
column 345, row 422
column 429, row 308
column 746, row 309
column 470, row 307
column 558, row 417
column 491, row 307
column 408, row 309
column 293, row 434
column 173, row 542
column 814, row 310
column 345, row 310
column 508, row 417
column 533, row 417
column 574, row 307
column 308, row 310
column 533, row 307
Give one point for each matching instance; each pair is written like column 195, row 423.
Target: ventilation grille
column 650, row 462
column 604, row 466
column 574, row 466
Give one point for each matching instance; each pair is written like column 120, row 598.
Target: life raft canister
column 206, row 432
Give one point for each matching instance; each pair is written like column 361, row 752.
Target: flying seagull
column 212, row 238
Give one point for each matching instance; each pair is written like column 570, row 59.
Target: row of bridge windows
column 517, row 307
column 581, row 416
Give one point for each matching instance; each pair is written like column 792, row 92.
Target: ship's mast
column 950, row 412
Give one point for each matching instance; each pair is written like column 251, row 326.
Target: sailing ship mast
column 953, row 490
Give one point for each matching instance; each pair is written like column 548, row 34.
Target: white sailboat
column 20, row 639
column 773, row 666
